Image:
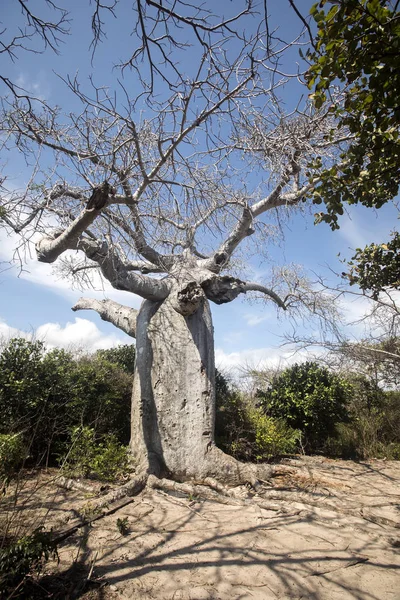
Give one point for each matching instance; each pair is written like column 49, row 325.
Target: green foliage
column 21, row 383
column 357, row 47
column 23, row 557
column 12, row 454
column 376, row 267
column 244, row 431
column 309, row 398
column 373, row 427
column 44, row 395
column 123, row 356
column 80, row 452
column 101, row 396
column 272, row 436
column 87, row 456
column 362, row 440
column 111, row 459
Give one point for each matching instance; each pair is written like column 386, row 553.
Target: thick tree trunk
column 173, row 402
column 173, row 406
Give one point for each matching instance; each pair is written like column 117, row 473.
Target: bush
column 390, row 407
column 45, row 395
column 309, row 398
column 373, row 429
column 244, row 431
column 111, row 460
column 272, row 437
column 105, row 459
column 100, row 397
column 22, row 386
column 26, row 556
column 122, row 356
column 12, row 454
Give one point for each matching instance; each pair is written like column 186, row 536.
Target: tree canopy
column 377, row 266
column 355, row 70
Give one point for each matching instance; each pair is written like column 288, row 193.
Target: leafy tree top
column 377, row 266
column 354, row 66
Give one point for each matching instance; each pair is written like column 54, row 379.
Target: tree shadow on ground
column 247, row 560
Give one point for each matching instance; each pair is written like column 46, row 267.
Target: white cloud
column 352, row 233
column 253, row 319
column 258, row 358
column 81, row 334
column 43, row 274
column 38, row 88
column 7, row 332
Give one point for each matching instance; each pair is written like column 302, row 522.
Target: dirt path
column 333, row 533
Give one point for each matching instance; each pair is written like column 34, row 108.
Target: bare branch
column 256, row 287
column 119, row 275
column 119, row 315
column 51, row 247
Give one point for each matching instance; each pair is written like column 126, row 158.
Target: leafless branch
column 123, row 317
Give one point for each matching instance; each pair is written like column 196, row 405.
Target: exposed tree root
column 203, row 491
column 73, row 484
column 116, row 498
column 254, row 493
column 131, row 488
column 207, row 488
column 194, row 490
column 223, row 467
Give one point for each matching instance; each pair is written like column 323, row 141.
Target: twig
column 176, row 501
column 91, row 568
column 350, row 564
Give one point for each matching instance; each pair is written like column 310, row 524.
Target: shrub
column 104, row 458
column 100, row 397
column 45, row 395
column 26, row 556
column 390, row 407
column 309, row 398
column 79, row 453
column 122, row 356
column 12, row 454
column 272, row 437
column 373, row 429
column 111, row 459
column 244, row 431
column 21, row 383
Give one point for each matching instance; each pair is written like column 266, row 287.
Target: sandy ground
column 331, row 531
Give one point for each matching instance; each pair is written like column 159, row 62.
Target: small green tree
column 309, row 398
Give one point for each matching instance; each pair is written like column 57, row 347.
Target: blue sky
column 35, row 300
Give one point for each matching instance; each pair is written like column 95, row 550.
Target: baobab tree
column 153, row 193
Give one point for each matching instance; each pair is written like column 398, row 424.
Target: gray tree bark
column 173, row 405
